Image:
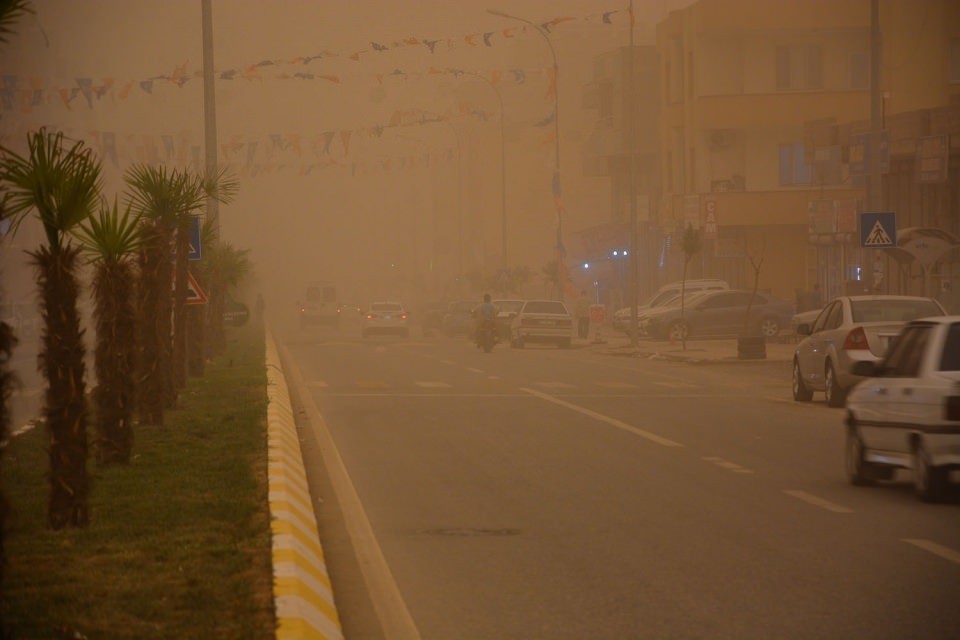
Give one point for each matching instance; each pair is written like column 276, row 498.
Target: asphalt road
column 547, row 493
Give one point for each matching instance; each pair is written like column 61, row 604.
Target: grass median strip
column 179, row 540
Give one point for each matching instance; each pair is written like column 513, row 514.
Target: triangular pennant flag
column 486, row 38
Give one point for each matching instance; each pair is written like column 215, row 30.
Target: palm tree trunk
column 7, row 342
column 196, row 347
column 151, row 390
column 115, row 362
column 61, row 360
column 216, row 333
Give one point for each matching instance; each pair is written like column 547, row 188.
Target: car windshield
column 544, row 306
column 892, row 310
column 386, row 306
column 509, row 306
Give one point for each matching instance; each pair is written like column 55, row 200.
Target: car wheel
column 858, row 469
column 678, row 330
column 801, row 392
column 769, row 327
column 929, row 481
column 835, row 395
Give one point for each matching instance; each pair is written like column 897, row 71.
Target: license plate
column 387, row 317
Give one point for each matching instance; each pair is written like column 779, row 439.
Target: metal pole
column 875, row 194
column 631, row 151
column 209, row 113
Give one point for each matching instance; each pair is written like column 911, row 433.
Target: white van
column 319, row 304
column 663, row 295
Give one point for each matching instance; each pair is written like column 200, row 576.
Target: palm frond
column 110, row 237
column 11, row 12
column 62, row 185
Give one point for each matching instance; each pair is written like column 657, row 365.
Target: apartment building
column 762, row 123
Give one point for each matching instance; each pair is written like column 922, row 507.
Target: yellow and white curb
column 303, row 596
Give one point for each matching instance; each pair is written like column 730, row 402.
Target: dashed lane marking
column 946, row 553
column 817, row 502
column 555, row 385
column 372, row 384
column 726, row 464
column 616, row 385
column 652, row 437
column 433, row 385
column 472, row 370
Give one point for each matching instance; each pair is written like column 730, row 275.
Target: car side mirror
column 804, row 329
column 866, row 369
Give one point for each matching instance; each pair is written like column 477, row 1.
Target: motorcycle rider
column 486, row 314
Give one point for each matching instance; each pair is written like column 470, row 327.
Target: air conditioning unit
column 720, row 139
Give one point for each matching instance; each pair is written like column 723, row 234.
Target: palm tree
column 197, row 350
column 112, row 240
column 224, row 267
column 156, row 196
column 63, row 186
column 10, row 12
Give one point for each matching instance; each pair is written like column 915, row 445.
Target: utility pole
column 875, row 195
column 209, row 113
column 631, row 152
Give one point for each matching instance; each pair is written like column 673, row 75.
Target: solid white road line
column 817, row 502
column 726, row 464
column 938, row 550
column 652, row 437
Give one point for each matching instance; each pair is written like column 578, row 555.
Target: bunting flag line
column 42, row 92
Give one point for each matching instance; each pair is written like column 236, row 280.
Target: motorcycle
column 487, row 336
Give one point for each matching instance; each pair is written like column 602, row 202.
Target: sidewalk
column 698, row 351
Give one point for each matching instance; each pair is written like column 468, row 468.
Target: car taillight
column 370, row 316
column 856, row 339
column 951, row 408
column 403, row 316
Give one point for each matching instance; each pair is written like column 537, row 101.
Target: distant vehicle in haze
column 542, row 321
column 319, row 305
column 721, row 312
column 506, row 312
column 848, row 330
column 663, row 295
column 385, row 318
column 458, row 319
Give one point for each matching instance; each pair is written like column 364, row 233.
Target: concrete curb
column 303, row 595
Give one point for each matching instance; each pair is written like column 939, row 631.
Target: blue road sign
column 878, row 230
column 195, row 253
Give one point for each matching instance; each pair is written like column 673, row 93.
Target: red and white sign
column 195, row 294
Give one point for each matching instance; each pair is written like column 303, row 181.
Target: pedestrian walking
column 583, row 315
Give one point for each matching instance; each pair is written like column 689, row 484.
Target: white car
column 542, row 321
column 385, row 317
column 907, row 414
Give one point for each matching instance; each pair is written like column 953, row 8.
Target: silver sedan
column 848, row 330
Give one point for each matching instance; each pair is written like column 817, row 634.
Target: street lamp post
column 556, row 120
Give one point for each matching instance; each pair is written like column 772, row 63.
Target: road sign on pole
column 195, row 294
column 195, row 252
column 878, row 230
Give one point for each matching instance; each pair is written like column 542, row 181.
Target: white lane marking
column 726, row 464
column 602, row 418
column 946, row 553
column 472, row 370
column 817, row 502
column 616, row 385
column 433, row 385
column 554, row 385
column 493, row 377
column 320, row 384
column 447, row 362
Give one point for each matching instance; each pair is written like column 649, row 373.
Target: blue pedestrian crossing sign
column 195, row 253
column 878, row 230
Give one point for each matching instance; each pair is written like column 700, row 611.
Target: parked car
column 385, row 317
column 804, row 317
column 459, row 320
column 506, row 312
column 907, row 414
column 542, row 321
column 848, row 330
column 663, row 295
column 643, row 317
column 722, row 312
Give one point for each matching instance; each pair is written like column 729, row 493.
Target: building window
column 860, row 70
column 799, row 67
column 793, row 168
column 955, row 61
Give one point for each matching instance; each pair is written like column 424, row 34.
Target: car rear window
column 951, row 349
column 893, row 310
column 385, row 306
column 544, row 306
column 509, row 305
